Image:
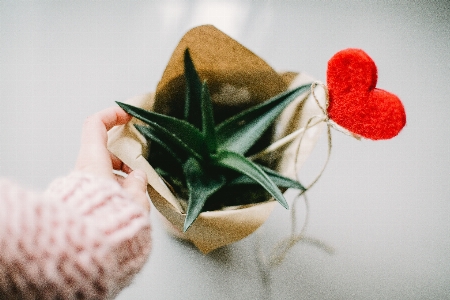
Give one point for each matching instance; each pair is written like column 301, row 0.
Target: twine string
column 329, row 123
column 281, row 249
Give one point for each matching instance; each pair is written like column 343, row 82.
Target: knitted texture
column 356, row 103
column 84, row 238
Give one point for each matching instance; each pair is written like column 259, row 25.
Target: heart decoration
column 354, row 101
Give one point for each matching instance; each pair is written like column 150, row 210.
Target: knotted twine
column 281, row 249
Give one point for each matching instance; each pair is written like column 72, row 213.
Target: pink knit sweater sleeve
column 84, row 238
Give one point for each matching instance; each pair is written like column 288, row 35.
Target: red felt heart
column 355, row 103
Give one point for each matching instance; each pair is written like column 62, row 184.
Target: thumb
column 136, row 185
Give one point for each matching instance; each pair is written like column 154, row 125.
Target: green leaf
column 201, row 185
column 239, row 163
column 178, row 151
column 163, row 136
column 240, row 132
column 208, row 125
column 282, row 180
column 192, row 108
column 173, row 128
column 277, row 178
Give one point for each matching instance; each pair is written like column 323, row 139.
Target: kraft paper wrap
column 238, row 79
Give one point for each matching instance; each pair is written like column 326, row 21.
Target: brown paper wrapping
column 238, row 79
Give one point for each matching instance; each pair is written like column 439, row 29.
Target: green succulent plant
column 212, row 157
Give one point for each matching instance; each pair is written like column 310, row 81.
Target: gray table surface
column 383, row 206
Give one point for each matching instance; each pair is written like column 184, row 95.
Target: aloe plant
column 212, row 157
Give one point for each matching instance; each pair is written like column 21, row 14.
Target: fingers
column 94, row 157
column 136, row 185
column 113, row 116
column 96, row 126
column 118, row 165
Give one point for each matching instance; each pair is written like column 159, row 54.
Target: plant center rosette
column 199, row 136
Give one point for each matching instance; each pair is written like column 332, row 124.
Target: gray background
column 383, row 206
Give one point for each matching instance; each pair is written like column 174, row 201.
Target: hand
column 95, row 158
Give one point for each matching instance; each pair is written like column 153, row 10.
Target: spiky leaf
column 277, row 178
column 192, row 109
column 240, row 132
column 178, row 151
column 172, row 128
column 239, row 163
column 163, row 136
column 208, row 127
column 202, row 184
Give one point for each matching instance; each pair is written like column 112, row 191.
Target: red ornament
column 355, row 103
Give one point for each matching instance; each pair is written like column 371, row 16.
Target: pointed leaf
column 179, row 129
column 240, row 132
column 176, row 150
column 245, row 166
column 208, row 125
column 169, row 139
column 277, row 178
column 201, row 185
column 192, row 109
column 282, row 180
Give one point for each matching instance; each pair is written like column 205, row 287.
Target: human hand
column 95, row 158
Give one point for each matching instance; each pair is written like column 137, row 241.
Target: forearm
column 83, row 237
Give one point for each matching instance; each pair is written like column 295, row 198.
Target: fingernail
column 140, row 175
